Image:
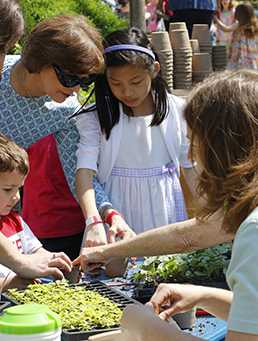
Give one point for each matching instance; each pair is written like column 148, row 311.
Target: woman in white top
column 134, row 139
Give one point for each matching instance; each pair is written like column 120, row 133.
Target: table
column 207, row 327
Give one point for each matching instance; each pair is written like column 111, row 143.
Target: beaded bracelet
column 104, row 210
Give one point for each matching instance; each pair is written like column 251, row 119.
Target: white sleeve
column 184, row 145
column 242, row 277
column 31, row 243
column 90, row 139
column 178, row 104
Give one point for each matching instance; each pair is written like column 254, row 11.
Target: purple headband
column 130, row 47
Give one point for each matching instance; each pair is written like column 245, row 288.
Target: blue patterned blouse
column 27, row 120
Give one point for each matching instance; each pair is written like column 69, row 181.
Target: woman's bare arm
column 180, row 237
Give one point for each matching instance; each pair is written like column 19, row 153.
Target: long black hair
column 107, row 104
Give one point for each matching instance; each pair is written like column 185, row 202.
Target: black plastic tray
column 145, row 291
column 103, row 289
column 4, row 305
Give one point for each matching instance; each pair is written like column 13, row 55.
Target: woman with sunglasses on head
column 38, row 94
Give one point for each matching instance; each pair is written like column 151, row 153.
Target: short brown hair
column 70, row 42
column 12, row 157
column 11, row 23
column 222, row 113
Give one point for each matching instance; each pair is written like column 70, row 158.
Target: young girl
column 227, row 12
column 151, row 15
column 222, row 120
column 135, row 141
column 242, row 51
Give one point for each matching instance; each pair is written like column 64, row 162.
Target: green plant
column 78, row 308
column 101, row 16
column 98, row 14
column 204, row 265
column 38, row 10
column 84, row 94
column 16, row 49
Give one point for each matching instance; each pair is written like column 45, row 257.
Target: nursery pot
column 72, row 276
column 185, row 320
column 30, row 322
column 180, row 39
column 160, row 40
column 117, row 267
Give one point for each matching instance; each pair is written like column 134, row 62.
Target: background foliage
column 98, row 14
column 255, row 3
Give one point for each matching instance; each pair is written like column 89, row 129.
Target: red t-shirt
column 49, row 207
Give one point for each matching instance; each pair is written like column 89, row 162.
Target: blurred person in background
column 194, row 12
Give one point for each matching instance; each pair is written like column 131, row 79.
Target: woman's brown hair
column 222, row 113
column 11, row 23
column 70, row 42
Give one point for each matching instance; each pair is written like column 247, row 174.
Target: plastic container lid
column 29, row 319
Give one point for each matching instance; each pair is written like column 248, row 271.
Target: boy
column 14, row 167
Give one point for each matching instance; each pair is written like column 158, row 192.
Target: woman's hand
column 95, row 235
column 177, row 297
column 91, row 258
column 183, row 297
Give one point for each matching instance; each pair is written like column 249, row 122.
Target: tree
column 137, row 14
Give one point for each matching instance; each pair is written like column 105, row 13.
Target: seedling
column 208, row 265
column 78, row 308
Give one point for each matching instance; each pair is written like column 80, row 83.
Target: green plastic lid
column 29, row 319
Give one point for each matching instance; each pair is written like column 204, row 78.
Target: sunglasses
column 70, row 81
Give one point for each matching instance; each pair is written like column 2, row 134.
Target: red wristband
column 93, row 220
column 111, row 215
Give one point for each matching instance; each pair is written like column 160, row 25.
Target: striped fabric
column 172, row 185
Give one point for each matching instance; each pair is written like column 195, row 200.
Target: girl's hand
column 119, row 229
column 95, row 235
column 178, row 298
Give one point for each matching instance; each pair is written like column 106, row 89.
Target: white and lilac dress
column 139, row 166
